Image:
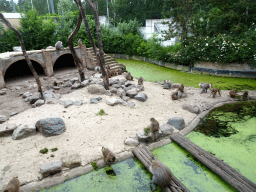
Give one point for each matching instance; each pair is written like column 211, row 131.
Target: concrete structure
column 13, row 18
column 156, row 26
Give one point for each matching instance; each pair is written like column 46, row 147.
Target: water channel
column 228, row 132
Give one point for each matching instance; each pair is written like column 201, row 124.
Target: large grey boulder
column 175, row 85
column 121, row 92
column 26, row 94
column 7, row 129
column 177, row 122
column 113, row 90
column 67, row 84
column 130, row 87
column 50, row 126
column 117, row 86
column 96, row 89
column 76, row 85
column 140, row 88
column 131, row 93
column 68, row 103
column 191, row 108
column 38, row 103
column 23, row 131
column 78, row 103
column 3, row 118
column 71, row 161
column 141, row 136
column 51, row 168
column 113, row 81
column 141, row 97
column 85, row 83
column 166, row 129
column 131, row 141
column 111, row 101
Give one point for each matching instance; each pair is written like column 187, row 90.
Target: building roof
column 12, row 15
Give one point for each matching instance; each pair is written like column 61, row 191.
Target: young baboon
column 140, row 81
column 13, row 185
column 204, row 87
column 162, row 175
column 167, row 84
column 59, row 45
column 181, row 88
column 245, row 95
column 214, row 91
column 108, row 156
column 154, row 127
column 232, row 93
column 128, row 76
column 80, row 43
column 175, row 95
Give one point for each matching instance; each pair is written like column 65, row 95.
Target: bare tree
column 77, row 60
column 100, row 55
column 24, row 53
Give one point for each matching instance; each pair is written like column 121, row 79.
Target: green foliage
column 54, row 149
column 146, row 130
column 101, row 112
column 94, row 165
column 8, row 39
column 43, row 151
column 129, row 27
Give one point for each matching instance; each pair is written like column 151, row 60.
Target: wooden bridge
column 226, row 172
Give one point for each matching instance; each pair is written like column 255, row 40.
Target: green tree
column 5, row 6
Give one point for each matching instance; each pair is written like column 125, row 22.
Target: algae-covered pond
column 153, row 73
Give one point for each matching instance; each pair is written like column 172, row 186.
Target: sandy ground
column 86, row 133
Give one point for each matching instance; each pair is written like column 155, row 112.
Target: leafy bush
column 131, row 27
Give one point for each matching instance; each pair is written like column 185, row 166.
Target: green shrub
column 43, row 151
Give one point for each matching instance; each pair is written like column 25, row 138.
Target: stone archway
column 64, row 61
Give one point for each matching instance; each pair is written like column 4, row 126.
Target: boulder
column 131, row 104
column 71, row 161
column 153, row 137
column 113, row 81
column 121, row 92
column 51, row 168
column 7, row 129
column 26, row 94
column 78, row 103
column 93, row 101
column 191, row 108
column 175, row 85
column 131, row 141
column 131, row 93
column 141, row 97
column 68, row 103
column 85, row 83
column 113, row 90
column 125, row 98
column 76, row 85
column 23, row 131
column 166, row 129
column 140, row 88
column 130, row 87
column 2, row 92
column 117, row 86
column 13, row 113
column 141, row 136
column 38, row 103
column 96, row 89
column 111, row 101
column 3, row 118
column 67, row 84
column 50, row 126
column 177, row 122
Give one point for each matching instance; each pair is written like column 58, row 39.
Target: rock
column 99, row 98
column 113, row 81
column 13, row 113
column 52, row 101
column 98, row 75
column 3, row 118
column 96, row 81
column 130, row 87
column 131, row 93
column 7, row 129
column 113, row 90
column 93, row 101
column 56, row 88
column 184, row 95
column 50, row 126
column 131, row 142
column 108, row 93
column 51, row 168
column 125, row 98
column 73, row 80
column 71, row 161
column 78, row 103
column 167, row 85
column 166, row 129
column 141, row 97
column 177, row 122
column 26, row 94
column 140, row 88
column 117, row 86
column 85, row 83
column 68, row 103
column 32, row 99
column 96, row 89
column 175, row 85
column 111, row 101
column 23, row 131
column 121, row 92
column 76, row 85
column 38, row 103
column 122, row 81
column 142, row 137
column 50, row 94
column 122, row 102
column 2, row 92
column 131, row 104
column 191, row 108
column 128, row 83
column 67, row 84
column 153, row 137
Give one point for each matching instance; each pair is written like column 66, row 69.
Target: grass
column 153, row 73
column 94, row 165
column 43, row 151
column 101, row 112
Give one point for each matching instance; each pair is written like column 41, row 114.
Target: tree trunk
column 100, row 56
column 24, row 53
column 77, row 60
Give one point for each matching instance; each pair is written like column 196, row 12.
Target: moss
column 54, row 149
column 43, row 151
column 102, row 112
column 94, row 165
column 146, row 130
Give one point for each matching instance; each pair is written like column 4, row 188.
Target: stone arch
column 40, row 69
column 21, row 59
column 69, row 61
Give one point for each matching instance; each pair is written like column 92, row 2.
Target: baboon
column 80, row 43
column 167, row 84
column 108, row 156
column 181, row 88
column 128, row 76
column 59, row 45
column 232, row 93
column 154, row 127
column 167, row 81
column 175, row 95
column 204, row 87
column 214, row 91
column 13, row 185
column 140, row 81
column 162, row 175
column 245, row 95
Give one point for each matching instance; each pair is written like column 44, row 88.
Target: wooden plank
column 227, row 168
column 233, row 182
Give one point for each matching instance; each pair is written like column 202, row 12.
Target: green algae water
column 153, row 73
column 129, row 176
